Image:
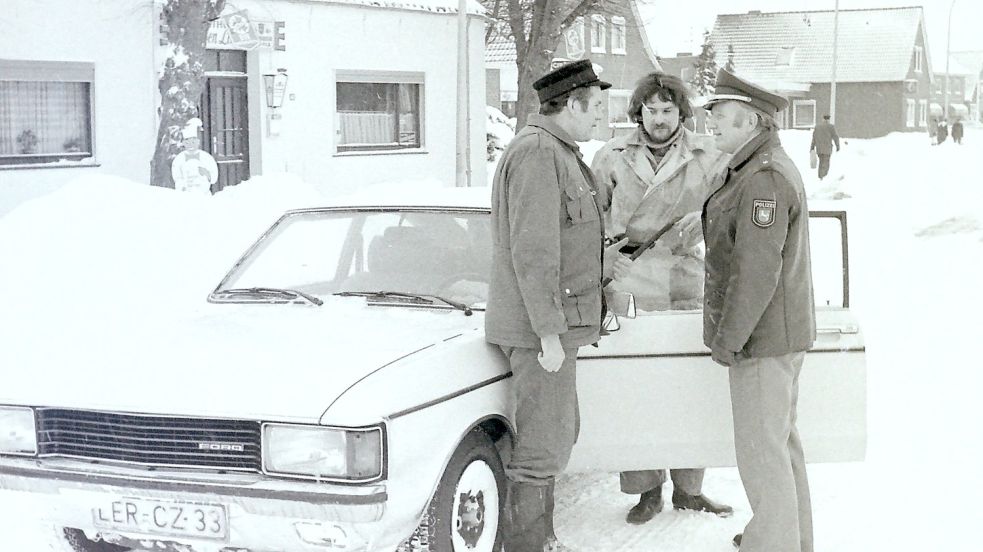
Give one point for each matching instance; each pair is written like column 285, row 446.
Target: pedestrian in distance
column 759, row 313
column 933, row 128
column 660, row 173
column 544, row 299
column 823, row 138
column 957, row 131
column 942, row 132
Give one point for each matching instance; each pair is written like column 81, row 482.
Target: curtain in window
column 48, row 117
column 385, row 114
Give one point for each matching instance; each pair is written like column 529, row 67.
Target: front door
column 227, row 128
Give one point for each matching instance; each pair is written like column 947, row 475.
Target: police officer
column 544, row 299
column 759, row 317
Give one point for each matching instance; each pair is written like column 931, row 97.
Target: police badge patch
column 763, row 215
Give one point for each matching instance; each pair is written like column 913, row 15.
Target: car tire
column 466, row 512
column 80, row 543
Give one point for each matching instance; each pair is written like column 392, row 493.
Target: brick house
column 614, row 40
column 970, row 63
column 883, row 75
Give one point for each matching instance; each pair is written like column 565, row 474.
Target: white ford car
column 336, row 394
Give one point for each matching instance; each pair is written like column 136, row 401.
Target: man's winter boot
column 525, row 528
column 649, row 504
column 699, row 503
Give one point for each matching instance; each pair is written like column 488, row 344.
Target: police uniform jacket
column 758, row 297
column 547, row 239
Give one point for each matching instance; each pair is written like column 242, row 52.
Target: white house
column 370, row 93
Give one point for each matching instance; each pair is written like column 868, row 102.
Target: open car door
column 651, row 397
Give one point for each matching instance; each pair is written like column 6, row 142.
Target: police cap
column 567, row 77
column 731, row 87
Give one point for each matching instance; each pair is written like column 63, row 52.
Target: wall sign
column 236, row 31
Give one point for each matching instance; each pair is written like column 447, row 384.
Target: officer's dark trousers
column 763, row 393
column 547, row 422
column 823, row 164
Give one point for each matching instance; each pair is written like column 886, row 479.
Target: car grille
column 150, row 440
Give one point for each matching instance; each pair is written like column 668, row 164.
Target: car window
column 667, row 279
column 412, row 251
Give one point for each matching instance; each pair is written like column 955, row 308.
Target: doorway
column 225, row 114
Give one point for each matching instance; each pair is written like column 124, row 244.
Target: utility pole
column 948, row 42
column 832, row 80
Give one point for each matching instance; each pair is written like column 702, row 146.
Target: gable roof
column 874, row 45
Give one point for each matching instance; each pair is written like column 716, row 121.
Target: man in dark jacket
column 759, row 313
column 823, row 138
column 957, row 131
column 544, row 299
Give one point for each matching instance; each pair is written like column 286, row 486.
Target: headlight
column 321, row 452
column 17, row 431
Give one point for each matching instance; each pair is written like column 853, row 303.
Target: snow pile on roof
column 435, row 6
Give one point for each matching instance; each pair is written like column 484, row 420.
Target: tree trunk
column 536, row 64
column 181, row 80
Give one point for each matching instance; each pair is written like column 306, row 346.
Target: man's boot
column 649, row 504
column 525, row 527
column 699, row 503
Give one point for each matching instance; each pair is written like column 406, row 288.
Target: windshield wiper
column 287, row 293
column 429, row 298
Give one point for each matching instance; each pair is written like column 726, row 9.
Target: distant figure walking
column 957, row 131
column 933, row 128
column 942, row 132
column 823, row 138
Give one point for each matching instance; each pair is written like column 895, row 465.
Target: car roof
column 391, row 196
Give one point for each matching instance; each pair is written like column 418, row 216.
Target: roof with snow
column 874, row 45
column 500, row 49
column 435, row 6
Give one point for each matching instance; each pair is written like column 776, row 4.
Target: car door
column 651, row 397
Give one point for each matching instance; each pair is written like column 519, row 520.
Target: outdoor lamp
column 276, row 86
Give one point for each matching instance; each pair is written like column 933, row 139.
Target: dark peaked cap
column 731, row 87
column 567, row 77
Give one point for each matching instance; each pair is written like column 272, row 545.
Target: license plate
column 158, row 517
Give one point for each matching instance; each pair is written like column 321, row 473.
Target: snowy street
column 916, row 254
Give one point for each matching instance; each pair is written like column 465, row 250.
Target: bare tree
column 181, row 79
column 536, row 27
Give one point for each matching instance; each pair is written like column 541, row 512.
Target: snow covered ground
column 916, row 236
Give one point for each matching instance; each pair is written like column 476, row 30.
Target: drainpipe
column 832, row 81
column 463, row 85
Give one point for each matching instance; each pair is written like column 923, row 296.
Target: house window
column 618, row 108
column 687, row 73
column 379, row 111
column 918, row 59
column 575, row 39
column 598, row 35
column 784, row 57
column 618, row 36
column 911, row 86
column 909, row 116
column 45, row 112
column 923, row 113
column 804, row 113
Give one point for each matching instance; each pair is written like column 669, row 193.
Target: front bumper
column 264, row 514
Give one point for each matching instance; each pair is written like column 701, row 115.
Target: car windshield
column 322, row 253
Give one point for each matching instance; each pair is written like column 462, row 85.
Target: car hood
column 260, row 361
